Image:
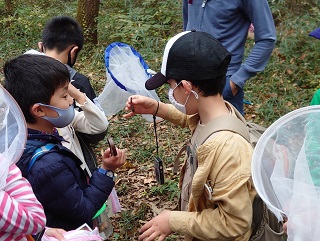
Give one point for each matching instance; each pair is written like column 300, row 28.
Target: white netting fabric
column 126, row 75
column 286, row 171
column 13, row 133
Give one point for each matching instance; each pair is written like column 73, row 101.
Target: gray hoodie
column 229, row 21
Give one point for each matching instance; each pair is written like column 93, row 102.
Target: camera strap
column 155, row 127
column 158, row 163
column 155, row 133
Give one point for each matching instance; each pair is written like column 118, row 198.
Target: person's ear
column 187, row 86
column 40, row 46
column 37, row 110
column 74, row 53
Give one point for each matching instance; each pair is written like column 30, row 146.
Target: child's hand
column 76, row 94
column 110, row 162
column 56, row 233
column 138, row 104
column 285, row 225
column 157, row 228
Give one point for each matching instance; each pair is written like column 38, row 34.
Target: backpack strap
column 90, row 163
column 224, row 123
column 176, row 160
column 255, row 130
column 221, row 123
column 38, row 152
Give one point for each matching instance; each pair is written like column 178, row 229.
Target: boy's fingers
column 126, row 116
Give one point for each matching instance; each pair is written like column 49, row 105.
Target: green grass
column 287, row 83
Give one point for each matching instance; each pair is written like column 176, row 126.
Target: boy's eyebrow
column 65, row 88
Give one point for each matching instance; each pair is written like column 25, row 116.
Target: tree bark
column 87, row 16
column 9, row 6
column 296, row 4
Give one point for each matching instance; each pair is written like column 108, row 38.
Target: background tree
column 288, row 82
column 9, row 6
column 295, row 5
column 87, row 16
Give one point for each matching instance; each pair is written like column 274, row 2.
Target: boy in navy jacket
column 41, row 86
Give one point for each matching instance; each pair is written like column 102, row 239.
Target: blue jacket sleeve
column 61, row 187
column 185, row 14
column 259, row 13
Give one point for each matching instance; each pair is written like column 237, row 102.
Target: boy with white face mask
column 194, row 65
column 41, row 87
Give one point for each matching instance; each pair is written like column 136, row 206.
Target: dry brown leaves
column 136, row 179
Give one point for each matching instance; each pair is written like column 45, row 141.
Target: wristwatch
column 108, row 173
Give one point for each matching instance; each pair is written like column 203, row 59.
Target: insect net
column 13, row 133
column 127, row 73
column 286, row 171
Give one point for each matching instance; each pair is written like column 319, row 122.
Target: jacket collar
column 42, row 136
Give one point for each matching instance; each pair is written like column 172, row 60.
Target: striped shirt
column 20, row 211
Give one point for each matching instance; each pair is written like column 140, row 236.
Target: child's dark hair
column 62, row 31
column 209, row 87
column 32, row 79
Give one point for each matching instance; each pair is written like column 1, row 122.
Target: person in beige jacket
column 195, row 65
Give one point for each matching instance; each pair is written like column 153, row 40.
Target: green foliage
column 22, row 30
column 287, row 83
column 123, row 190
column 145, row 25
column 297, row 51
column 169, row 188
column 292, row 74
column 128, row 221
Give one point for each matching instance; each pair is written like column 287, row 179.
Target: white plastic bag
column 114, row 202
column 77, row 235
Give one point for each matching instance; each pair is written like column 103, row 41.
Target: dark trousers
column 237, row 100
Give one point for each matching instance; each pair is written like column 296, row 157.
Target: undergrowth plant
column 170, row 189
column 292, row 74
column 287, row 83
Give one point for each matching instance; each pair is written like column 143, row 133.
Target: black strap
column 39, row 235
column 155, row 133
column 88, row 153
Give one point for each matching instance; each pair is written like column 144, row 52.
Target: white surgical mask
column 176, row 104
column 65, row 116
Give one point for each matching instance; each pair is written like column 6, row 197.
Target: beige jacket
column 225, row 160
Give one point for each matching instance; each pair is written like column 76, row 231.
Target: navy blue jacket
column 61, row 185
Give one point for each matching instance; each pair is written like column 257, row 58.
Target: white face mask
column 176, row 104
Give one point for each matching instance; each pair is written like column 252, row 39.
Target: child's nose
column 71, row 100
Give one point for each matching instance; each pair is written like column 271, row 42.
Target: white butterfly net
column 125, row 67
column 13, row 133
column 286, row 171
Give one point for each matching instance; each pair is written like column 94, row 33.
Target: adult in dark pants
column 229, row 21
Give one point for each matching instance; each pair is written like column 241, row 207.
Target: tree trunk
column 9, row 6
column 87, row 16
column 297, row 4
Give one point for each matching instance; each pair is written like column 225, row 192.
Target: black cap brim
column 156, row 81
